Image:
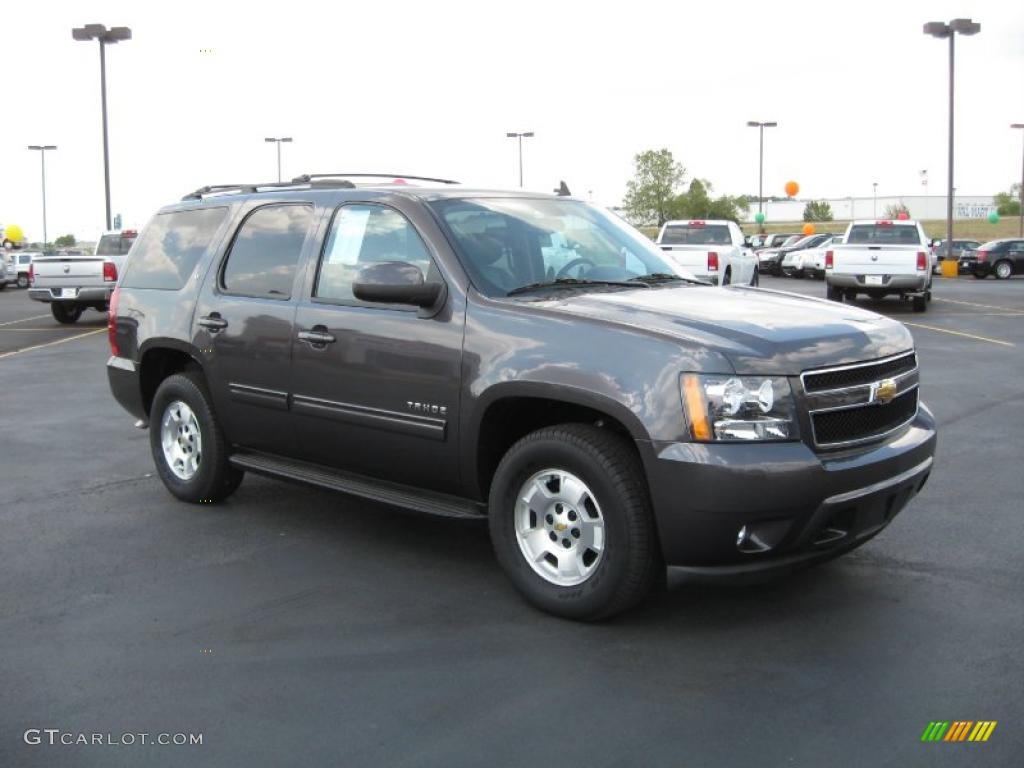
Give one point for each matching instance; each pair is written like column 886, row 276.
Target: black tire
column 799, row 274
column 833, row 293
column 23, row 281
column 727, row 277
column 215, row 479
column 979, row 275
column 920, row 303
column 66, row 314
column 756, row 279
column 631, row 561
column 1008, row 271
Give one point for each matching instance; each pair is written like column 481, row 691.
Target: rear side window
column 170, row 248
column 265, row 254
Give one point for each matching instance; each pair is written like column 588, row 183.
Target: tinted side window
column 361, row 235
column 265, row 253
column 167, row 252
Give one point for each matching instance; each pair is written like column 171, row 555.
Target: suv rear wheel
column 188, row 446
column 1003, row 270
column 64, row 313
column 571, row 524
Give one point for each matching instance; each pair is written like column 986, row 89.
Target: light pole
column 41, row 149
column 520, row 137
column 1021, row 190
column 941, row 30
column 279, row 142
column 924, row 183
column 874, row 199
column 105, row 37
column 760, row 164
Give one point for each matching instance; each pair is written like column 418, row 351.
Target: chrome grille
column 844, row 404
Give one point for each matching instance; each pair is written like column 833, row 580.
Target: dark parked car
column 437, row 348
column 1001, row 258
column 960, row 248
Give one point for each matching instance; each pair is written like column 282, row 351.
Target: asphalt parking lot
column 291, row 626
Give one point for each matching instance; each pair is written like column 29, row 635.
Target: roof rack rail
column 308, row 177
column 248, row 189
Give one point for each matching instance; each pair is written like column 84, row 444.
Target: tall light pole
column 520, row 137
column 105, row 37
column 1021, row 190
column 41, row 149
column 924, row 183
column 941, row 30
column 760, row 164
column 279, row 142
column 874, row 199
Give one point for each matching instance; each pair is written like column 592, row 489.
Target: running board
column 431, row 502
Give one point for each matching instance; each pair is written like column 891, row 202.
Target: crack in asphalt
column 89, row 489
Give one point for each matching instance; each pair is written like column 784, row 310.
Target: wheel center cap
column 560, row 527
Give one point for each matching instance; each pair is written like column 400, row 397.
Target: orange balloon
column 902, row 215
column 792, row 188
column 808, row 228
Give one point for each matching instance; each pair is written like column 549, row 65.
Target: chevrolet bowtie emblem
column 560, row 527
column 885, row 390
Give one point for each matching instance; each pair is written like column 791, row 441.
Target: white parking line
column 24, row 320
column 960, row 333
column 52, row 343
column 976, row 304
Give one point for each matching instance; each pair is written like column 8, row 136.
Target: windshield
column 509, row 243
column 114, row 245
column 696, row 234
column 883, row 234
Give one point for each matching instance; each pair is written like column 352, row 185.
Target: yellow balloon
column 13, row 233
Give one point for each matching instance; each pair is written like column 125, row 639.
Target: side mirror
column 395, row 282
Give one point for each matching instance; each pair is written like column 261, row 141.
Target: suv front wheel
column 188, row 446
column 570, row 522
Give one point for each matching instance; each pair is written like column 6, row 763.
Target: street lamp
column 279, row 142
column 874, row 199
column 940, row 30
column 1021, row 190
column 105, row 37
column 41, row 149
column 760, row 166
column 520, row 137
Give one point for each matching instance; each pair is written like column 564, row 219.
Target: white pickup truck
column 712, row 250
column 71, row 282
column 881, row 258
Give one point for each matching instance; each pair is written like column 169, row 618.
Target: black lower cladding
column 864, row 422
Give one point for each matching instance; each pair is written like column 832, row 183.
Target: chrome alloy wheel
column 1003, row 270
column 181, row 440
column 559, row 527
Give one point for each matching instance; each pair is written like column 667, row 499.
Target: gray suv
column 520, row 358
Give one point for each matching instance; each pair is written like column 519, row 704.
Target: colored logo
column 959, row 730
column 885, row 391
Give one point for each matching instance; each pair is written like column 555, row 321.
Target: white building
column 847, row 208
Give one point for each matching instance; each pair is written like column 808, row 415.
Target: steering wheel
column 579, row 261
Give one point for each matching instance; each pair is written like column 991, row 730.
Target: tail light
column 109, row 272
column 31, row 274
column 712, row 261
column 922, row 261
column 112, row 321
column 829, row 260
column 982, row 255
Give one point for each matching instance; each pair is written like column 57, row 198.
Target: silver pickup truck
column 72, row 282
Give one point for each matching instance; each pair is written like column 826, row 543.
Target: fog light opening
column 748, row 542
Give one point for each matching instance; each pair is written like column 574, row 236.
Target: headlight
column 738, row 408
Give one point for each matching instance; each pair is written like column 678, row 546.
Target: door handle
column 316, row 337
column 213, row 322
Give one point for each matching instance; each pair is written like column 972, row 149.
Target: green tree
column 1008, row 203
column 652, row 190
column 65, row 241
column 697, row 203
column 894, row 211
column 817, row 210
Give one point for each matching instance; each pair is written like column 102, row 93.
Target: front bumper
column 804, row 506
column 890, row 283
column 91, row 295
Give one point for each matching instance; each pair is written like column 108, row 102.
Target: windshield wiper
column 664, row 277
column 571, row 281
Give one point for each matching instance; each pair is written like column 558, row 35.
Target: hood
column 759, row 331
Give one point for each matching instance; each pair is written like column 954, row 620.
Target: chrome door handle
column 213, row 323
column 316, row 337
